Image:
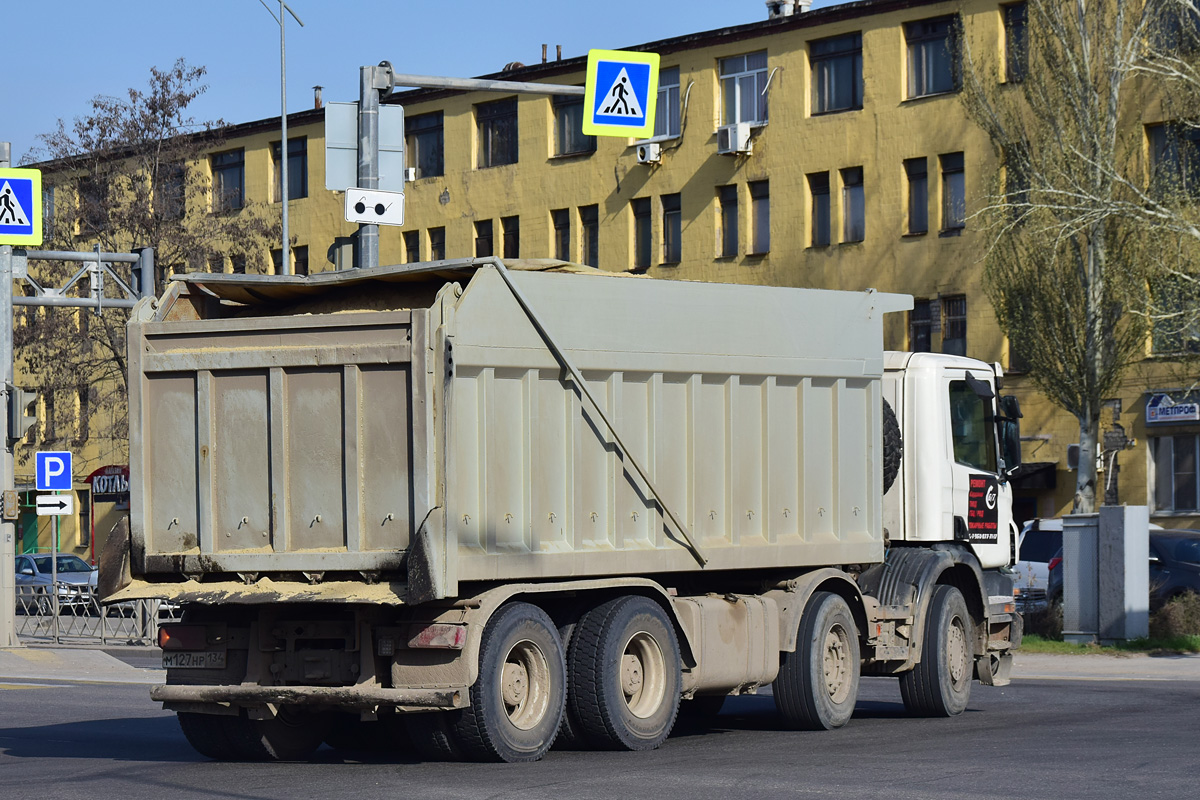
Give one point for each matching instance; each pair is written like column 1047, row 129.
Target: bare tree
column 1089, row 251
column 131, row 173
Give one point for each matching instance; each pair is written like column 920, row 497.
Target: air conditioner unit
column 734, row 139
column 649, row 153
column 410, row 174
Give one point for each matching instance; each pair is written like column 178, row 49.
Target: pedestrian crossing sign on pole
column 619, row 94
column 20, row 206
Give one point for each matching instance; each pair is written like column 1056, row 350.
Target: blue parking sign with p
column 53, row 471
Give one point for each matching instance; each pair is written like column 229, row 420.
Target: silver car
column 76, row 580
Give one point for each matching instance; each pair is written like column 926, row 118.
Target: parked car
column 76, row 580
column 1174, row 566
column 1040, row 539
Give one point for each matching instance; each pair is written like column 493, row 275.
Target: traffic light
column 22, row 412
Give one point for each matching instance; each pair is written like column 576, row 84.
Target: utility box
column 1106, row 575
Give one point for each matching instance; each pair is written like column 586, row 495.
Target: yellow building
column 824, row 149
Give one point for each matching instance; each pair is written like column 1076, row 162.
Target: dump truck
column 482, row 507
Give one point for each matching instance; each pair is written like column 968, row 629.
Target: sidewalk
column 82, row 664
column 139, row 665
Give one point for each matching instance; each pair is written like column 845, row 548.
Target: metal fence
column 74, row 616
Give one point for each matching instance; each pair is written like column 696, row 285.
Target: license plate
column 207, row 659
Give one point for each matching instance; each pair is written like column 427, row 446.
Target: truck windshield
column 972, row 428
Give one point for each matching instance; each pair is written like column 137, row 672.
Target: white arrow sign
column 55, row 505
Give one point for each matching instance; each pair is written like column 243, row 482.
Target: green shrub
column 1178, row 617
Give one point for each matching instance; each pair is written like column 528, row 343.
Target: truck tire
column 518, row 700
column 817, row 685
column 432, row 737
column 570, row 732
column 940, row 684
column 291, row 735
column 625, row 674
column 893, row 446
column 207, row 735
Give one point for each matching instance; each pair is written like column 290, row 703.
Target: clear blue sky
column 58, row 54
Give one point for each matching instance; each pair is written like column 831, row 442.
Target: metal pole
column 8, row 543
column 145, row 272
column 368, row 162
column 286, row 262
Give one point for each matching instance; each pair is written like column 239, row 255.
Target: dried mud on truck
column 479, row 507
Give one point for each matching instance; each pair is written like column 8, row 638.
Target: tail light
column 182, row 637
column 1054, row 562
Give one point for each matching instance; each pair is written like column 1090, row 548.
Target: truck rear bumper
column 362, row 698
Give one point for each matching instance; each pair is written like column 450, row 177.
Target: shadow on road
column 129, row 739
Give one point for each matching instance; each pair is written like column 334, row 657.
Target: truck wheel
column 432, row 737
column 570, row 732
column 517, row 702
column 625, row 674
column 893, row 446
column 818, row 684
column 940, row 684
column 291, row 735
column 207, row 735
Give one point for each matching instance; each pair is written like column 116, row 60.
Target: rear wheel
column 432, row 736
column 817, row 685
column 517, row 702
column 625, row 674
column 291, row 735
column 940, row 684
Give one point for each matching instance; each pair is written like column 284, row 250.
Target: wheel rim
column 956, row 650
column 525, row 685
column 837, row 664
column 643, row 675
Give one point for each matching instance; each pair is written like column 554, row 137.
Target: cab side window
column 971, row 428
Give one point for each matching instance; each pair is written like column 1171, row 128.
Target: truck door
column 982, row 503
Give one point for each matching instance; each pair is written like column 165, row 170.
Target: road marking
column 4, row 686
column 1094, row 678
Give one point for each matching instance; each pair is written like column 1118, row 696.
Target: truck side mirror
column 1010, row 432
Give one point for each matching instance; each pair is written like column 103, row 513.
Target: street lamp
column 286, row 265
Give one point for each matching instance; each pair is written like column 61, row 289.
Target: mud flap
column 994, row 669
column 115, row 571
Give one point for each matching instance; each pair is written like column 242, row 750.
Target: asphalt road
column 1097, row 737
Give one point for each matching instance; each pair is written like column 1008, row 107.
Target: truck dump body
column 414, row 420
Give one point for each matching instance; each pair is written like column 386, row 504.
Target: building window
column 744, row 88
column 920, row 326
column 49, row 428
column 854, row 205
column 93, row 205
column 954, row 325
column 727, row 200
column 589, row 225
column 297, row 169
column 666, row 109
column 760, row 217
column 641, row 233
column 932, row 56
column 1175, row 461
column 237, row 263
column 672, row 211
column 1016, row 186
column 1174, row 159
column 277, row 261
column 412, row 247
column 818, row 188
column 170, row 191
column 483, row 238
column 918, row 195
column 300, row 260
column 437, row 244
column 1016, row 43
column 954, row 192
column 568, row 127
column 423, row 139
column 836, row 73
column 511, row 228
column 561, row 219
column 229, row 180
column 83, row 397
column 497, row 123
column 1175, row 323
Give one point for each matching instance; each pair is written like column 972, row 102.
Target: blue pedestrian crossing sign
column 53, row 471
column 20, row 206
column 620, row 92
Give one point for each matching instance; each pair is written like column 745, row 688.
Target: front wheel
column 940, row 684
column 817, row 685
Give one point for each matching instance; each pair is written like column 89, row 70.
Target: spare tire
column 893, row 446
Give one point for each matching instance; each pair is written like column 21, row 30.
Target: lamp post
column 286, row 260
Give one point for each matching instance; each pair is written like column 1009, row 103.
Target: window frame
column 823, row 69
column 297, row 169
column 224, row 200
column 1016, row 41
column 437, row 243
column 916, row 171
column 954, row 321
column 485, row 238
column 727, row 218
column 760, row 217
column 568, row 118
column 491, row 119
column 425, row 144
column 412, row 246
column 589, row 234
column 1157, row 457
column 854, row 204
column 667, row 118
column 510, row 236
column 640, row 207
column 672, row 216
column 918, row 42
column 921, row 327
column 737, row 78
column 821, row 216
column 954, row 192
column 560, row 224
